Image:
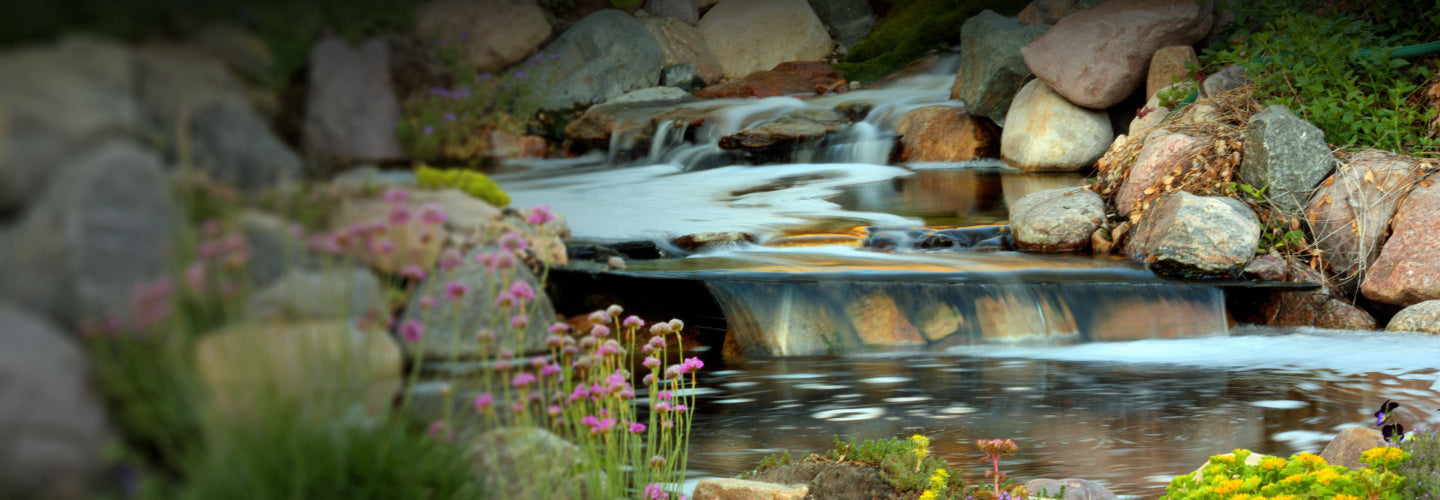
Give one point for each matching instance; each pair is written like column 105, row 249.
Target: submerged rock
column 879, row 321
column 1057, row 220
column 751, row 35
column 1405, row 273
column 1421, row 317
column 802, row 125
column 1286, row 153
column 1043, row 132
column 1196, row 236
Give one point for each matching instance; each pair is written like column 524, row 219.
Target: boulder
column 1152, row 113
column 1286, row 153
column 1351, row 211
column 696, row 242
column 847, row 20
column 798, row 126
column 1046, row 11
column 351, row 111
column 327, row 294
column 680, row 10
column 1309, row 308
column 1421, row 317
column 629, row 119
column 492, row 34
column 944, row 133
column 1226, row 80
column 1098, row 57
column 743, row 489
column 1347, row 446
column 1075, row 489
column 752, row 35
column 787, row 78
column 879, row 322
column 840, row 481
column 681, row 43
column 450, row 323
column 59, row 99
column 526, row 462
column 1266, row 267
column 1043, row 131
column 1168, row 66
column 56, row 427
column 276, row 247
column 1404, row 273
column 248, row 366
column 1057, row 220
column 235, row 145
column 991, row 69
column 1163, row 151
column 98, row 229
column 681, row 76
column 603, row 55
column 1193, row 235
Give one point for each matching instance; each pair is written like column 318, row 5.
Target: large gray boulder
column 275, row 247
column 755, row 35
column 991, row 69
column 681, row 43
column 491, row 34
column 849, row 21
column 450, row 325
column 1057, row 220
column 604, row 55
column 100, row 228
column 1189, row 235
column 1286, row 153
column 1351, row 211
column 680, row 10
column 53, row 427
column 1046, row 132
column 351, row 110
column 55, row 100
column 1404, row 274
column 1098, row 57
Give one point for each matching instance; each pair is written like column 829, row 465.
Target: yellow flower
column 1343, row 496
column 922, row 444
column 939, row 477
column 1326, row 475
column 1310, row 459
column 1272, row 463
column 1228, row 486
column 1242, row 496
column 1293, row 478
column 927, row 495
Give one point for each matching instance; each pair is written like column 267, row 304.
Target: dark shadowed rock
column 1405, row 273
column 1347, row 446
column 837, row 481
column 604, row 55
column 1057, row 220
column 991, row 69
column 1193, row 235
column 680, row 10
column 351, row 110
column 945, row 133
column 1309, row 308
column 1351, row 211
column 1287, row 154
column 1422, row 317
column 1098, row 57
column 54, row 423
column 1266, row 267
column 1075, row 489
column 1225, row 80
column 787, row 78
column 492, row 34
column 848, row 20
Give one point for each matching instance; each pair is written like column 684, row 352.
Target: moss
column 912, row 28
column 471, row 182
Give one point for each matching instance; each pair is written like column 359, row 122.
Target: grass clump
column 912, row 28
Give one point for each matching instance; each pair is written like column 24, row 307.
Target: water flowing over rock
column 1351, row 211
column 1057, row 220
column 1286, row 153
column 491, row 33
column 752, row 35
column 1163, row 151
column 787, row 78
column 848, row 20
column 630, row 122
column 246, row 364
column 351, row 110
column 98, row 229
column 1075, row 489
column 944, row 133
column 743, row 489
column 450, row 324
column 879, row 321
column 1404, row 274
column 1098, row 57
column 1309, row 308
column 320, row 295
column 682, row 43
column 1043, row 131
column 1169, row 66
column 58, row 99
column 679, row 10
column 604, row 55
column 55, row 424
column 1347, row 446
column 1421, row 317
column 991, row 69
column 798, row 126
column 1196, row 235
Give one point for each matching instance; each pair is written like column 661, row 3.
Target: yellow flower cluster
column 922, row 446
column 1384, row 457
column 1310, row 460
column 1272, row 463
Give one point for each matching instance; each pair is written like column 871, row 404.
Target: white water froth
column 658, row 201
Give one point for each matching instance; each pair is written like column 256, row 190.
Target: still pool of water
column 1130, row 415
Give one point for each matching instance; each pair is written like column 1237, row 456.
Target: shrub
column 1302, row 476
column 1422, row 469
column 469, row 181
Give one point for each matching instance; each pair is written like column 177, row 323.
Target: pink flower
column 512, row 242
column 484, row 335
column 554, row 410
column 519, row 321
column 399, row 215
column 450, row 259
column 211, row 228
column 651, row 362
column 664, row 395
column 455, row 290
column 654, row 491
column 605, row 350
column 603, row 426
column 599, row 317
column 649, row 379
column 673, row 371
column 486, row 259
column 427, row 302
column 504, row 300
column 441, row 431
column 522, row 291
column 382, row 246
column 660, row 329
column 590, row 421
column 432, row 214
column 412, row 330
column 657, row 461
column 413, row 271
column 633, row 321
column 662, row 407
column 504, row 261
column 397, row 195
column 691, row 364
column 600, row 330
column 539, row 215
column 614, row 311
column 679, row 408
column 657, row 342
column 553, row 341
column 550, row 370
column 637, row 427
column 559, row 328
column 676, row 325
column 524, row 379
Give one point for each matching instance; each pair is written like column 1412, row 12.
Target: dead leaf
column 1150, row 190
column 1329, row 180
column 1370, row 176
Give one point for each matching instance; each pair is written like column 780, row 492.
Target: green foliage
column 471, row 182
column 905, row 464
column 1422, row 470
column 912, row 28
column 1336, row 72
column 770, row 462
column 1302, row 476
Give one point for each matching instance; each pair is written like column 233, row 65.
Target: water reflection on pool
column 1128, row 414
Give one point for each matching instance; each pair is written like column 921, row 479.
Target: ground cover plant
column 909, row 468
